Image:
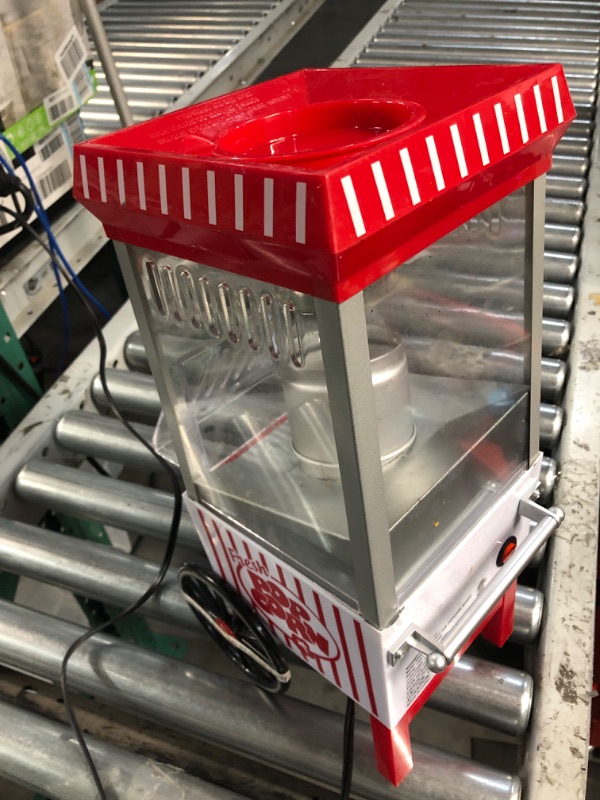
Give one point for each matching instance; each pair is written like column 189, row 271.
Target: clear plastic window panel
column 449, row 342
column 242, row 361
column 457, row 322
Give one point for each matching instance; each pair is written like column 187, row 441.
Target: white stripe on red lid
column 502, row 128
column 121, row 182
column 409, row 174
column 353, row 207
column 185, row 193
column 141, row 185
column 557, row 100
column 435, row 163
column 540, row 108
column 301, row 212
column 382, row 188
column 212, row 197
column 268, row 207
column 239, row 201
column 162, row 189
column 522, row 120
column 458, row 149
column 102, row 179
column 84, row 178
column 485, row 158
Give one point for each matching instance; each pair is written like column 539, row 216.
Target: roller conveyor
column 306, row 745
column 415, row 33
column 51, row 445
column 177, row 52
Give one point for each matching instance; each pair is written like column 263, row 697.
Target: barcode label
column 71, row 53
column 59, row 104
column 82, row 85
column 55, row 179
column 49, row 145
column 75, row 130
column 417, row 677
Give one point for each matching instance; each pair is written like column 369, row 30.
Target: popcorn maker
column 353, row 402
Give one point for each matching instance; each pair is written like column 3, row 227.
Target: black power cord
column 12, row 186
column 198, row 586
column 236, row 627
column 174, row 528
column 348, row 755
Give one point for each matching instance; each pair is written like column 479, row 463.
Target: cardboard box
column 45, row 79
column 51, row 166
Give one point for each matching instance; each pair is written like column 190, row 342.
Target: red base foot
column 499, row 625
column 393, row 752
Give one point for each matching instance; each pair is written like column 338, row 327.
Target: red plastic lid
column 324, row 180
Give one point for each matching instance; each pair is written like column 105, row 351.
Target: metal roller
column 560, row 267
column 548, row 479
column 220, row 35
column 443, row 44
column 566, row 186
column 159, row 67
column 528, row 615
column 142, row 106
column 551, row 424
column 548, row 31
column 95, row 571
column 558, row 300
column 110, row 576
column 554, row 378
column 134, row 353
column 127, row 506
column 39, row 754
column 573, row 146
column 142, row 77
column 173, row 51
column 387, row 54
column 488, row 687
column 285, row 733
column 569, row 166
column 148, row 92
column 561, row 238
column 556, row 335
column 182, row 24
column 134, row 393
column 561, row 211
column 105, row 438
column 432, row 357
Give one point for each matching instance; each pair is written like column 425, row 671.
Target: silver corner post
column 535, row 197
column 345, row 348
column 135, row 289
column 105, row 55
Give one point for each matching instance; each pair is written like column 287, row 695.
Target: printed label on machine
column 337, row 643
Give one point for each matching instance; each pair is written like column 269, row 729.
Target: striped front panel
column 325, row 634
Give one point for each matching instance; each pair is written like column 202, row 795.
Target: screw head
column 436, row 663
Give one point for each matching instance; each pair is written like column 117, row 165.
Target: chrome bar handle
column 440, row 654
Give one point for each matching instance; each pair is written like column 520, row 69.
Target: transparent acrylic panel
column 242, row 363
column 458, row 314
column 448, row 340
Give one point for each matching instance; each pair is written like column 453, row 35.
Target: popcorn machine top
column 337, row 276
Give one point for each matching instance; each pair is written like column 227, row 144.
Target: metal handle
column 441, row 654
